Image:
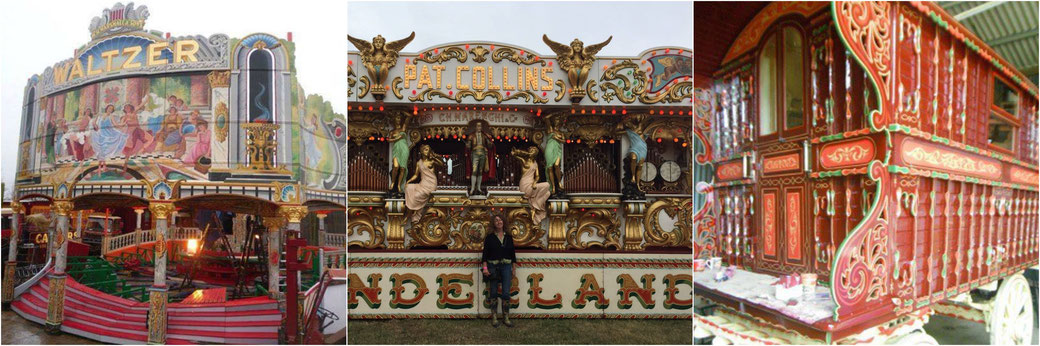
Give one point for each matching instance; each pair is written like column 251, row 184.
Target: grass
column 526, row 331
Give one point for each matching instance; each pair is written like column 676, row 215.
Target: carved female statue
column 399, row 153
column 417, row 194
column 554, row 152
column 536, row 193
column 633, row 127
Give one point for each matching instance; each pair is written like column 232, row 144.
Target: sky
column 38, row 34
column 635, row 26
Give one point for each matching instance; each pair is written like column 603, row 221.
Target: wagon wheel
column 917, row 337
column 1011, row 320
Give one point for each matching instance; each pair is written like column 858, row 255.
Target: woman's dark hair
column 110, row 106
column 498, row 216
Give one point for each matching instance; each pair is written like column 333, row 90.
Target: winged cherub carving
column 379, row 57
column 577, row 60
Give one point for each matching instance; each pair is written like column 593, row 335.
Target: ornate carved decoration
column 479, row 53
column 782, row 163
column 861, row 271
column 847, row 153
column 157, row 317
column 433, row 228
column 681, row 233
column 591, row 129
column 602, row 223
column 363, row 220
column 524, row 232
column 448, row 54
column 273, row 223
column 56, row 301
column 61, row 207
column 577, row 60
column 506, row 53
column 261, row 145
column 221, row 122
column 866, row 28
column 379, row 57
column 219, row 79
column 730, row 170
column 473, row 227
column 118, row 19
column 918, row 153
column 160, row 210
column 293, row 213
column 17, row 208
column 624, row 89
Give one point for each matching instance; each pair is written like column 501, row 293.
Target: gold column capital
column 293, row 213
column 161, row 210
column 61, row 207
column 273, row 223
column 17, row 208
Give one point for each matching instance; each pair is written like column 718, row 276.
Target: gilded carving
column 293, row 213
column 363, row 220
column 56, row 301
column 624, row 90
column 479, row 53
column 379, row 57
column 448, row 54
column 160, row 210
column 157, row 317
column 220, row 118
column 219, row 79
column 433, row 228
column 577, row 60
column 506, row 53
column 524, row 232
column 61, row 208
column 602, row 223
column 261, row 145
column 681, row 233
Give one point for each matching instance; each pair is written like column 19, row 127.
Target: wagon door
column 784, row 228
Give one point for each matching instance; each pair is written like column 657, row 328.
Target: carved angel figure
column 576, row 60
column 379, row 57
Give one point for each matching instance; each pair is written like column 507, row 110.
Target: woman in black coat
column 498, row 260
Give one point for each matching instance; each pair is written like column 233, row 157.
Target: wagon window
column 793, row 92
column 767, row 87
column 1001, row 133
column 1004, row 97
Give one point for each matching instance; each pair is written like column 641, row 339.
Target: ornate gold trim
column 362, row 220
column 160, row 210
column 596, row 222
column 294, row 213
column 219, row 79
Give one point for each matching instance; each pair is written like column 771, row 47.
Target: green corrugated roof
column 1011, row 28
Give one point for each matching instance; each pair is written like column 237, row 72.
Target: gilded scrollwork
column 524, row 232
column 363, row 220
column 478, row 95
column 479, row 53
column 448, row 54
column 433, row 228
column 561, row 92
column 469, row 235
column 366, row 86
column 628, row 90
column 506, row 53
column 675, row 93
column 590, row 129
column 602, row 223
column 395, row 86
column 681, row 233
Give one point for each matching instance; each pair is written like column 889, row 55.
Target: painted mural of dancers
column 536, row 193
column 481, row 152
column 78, row 139
column 106, row 138
column 422, row 184
column 137, row 138
column 202, row 144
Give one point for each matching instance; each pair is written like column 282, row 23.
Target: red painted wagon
column 879, row 145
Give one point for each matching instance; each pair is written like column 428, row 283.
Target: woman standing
column 416, row 195
column 498, row 259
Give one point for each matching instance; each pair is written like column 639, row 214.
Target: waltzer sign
column 559, row 285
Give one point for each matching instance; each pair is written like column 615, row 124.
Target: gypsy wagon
column 879, row 145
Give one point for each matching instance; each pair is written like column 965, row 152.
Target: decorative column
column 321, row 226
column 274, row 252
column 56, row 294
column 293, row 214
column 12, row 253
column 557, row 228
column 634, row 213
column 139, row 211
column 79, row 224
column 157, row 294
column 395, row 225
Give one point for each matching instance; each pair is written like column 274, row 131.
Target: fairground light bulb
column 193, row 246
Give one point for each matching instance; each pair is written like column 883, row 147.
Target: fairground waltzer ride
column 172, row 185
column 879, row 149
column 587, row 159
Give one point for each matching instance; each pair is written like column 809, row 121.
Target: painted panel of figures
column 119, row 122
